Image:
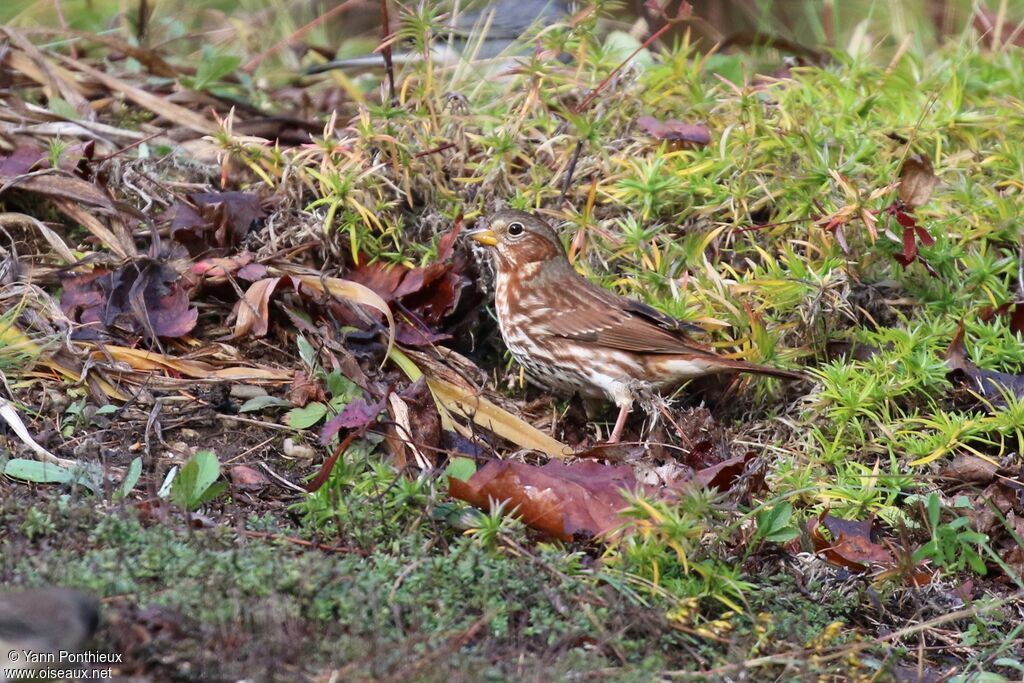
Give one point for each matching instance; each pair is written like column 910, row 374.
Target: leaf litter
column 183, row 301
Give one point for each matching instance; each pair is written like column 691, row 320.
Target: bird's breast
column 557, row 364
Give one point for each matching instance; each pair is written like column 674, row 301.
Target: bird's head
column 519, row 238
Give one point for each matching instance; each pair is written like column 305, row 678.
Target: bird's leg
column 620, row 423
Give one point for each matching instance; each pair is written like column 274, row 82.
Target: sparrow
column 572, row 336
column 483, row 33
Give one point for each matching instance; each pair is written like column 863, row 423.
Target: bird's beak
column 484, row 236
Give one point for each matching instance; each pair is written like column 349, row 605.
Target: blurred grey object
column 482, row 31
column 44, row 620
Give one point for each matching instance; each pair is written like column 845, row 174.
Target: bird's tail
column 732, row 364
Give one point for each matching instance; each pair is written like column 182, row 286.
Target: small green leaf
column 306, row 352
column 214, row 68
column 106, row 410
column 37, row 472
column 303, row 418
column 131, row 478
column 461, row 468
column 184, row 484
column 210, row 493
column 1011, row 663
column 207, row 470
column 262, row 403
column 773, row 523
column 934, row 510
column 338, row 403
column 340, row 386
column 62, row 108
column 195, row 484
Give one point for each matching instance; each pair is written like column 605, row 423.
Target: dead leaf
column 247, row 479
column 495, row 419
column 214, row 219
column 917, row 180
column 675, row 131
column 417, row 425
column 144, row 361
column 985, row 22
column 55, row 185
column 253, row 310
column 561, row 500
column 991, row 385
column 969, row 468
column 851, row 545
column 356, row 415
column 143, row 297
column 303, row 390
column 722, row 475
column 425, row 296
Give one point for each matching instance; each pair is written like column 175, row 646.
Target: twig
column 266, row 536
column 435, row 150
column 570, row 170
column 385, row 51
column 601, row 86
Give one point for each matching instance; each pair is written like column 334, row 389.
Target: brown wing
column 598, row 316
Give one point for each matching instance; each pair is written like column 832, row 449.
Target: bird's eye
column 515, row 229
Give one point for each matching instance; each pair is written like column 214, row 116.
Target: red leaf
column 923, row 235
column 22, row 160
column 909, row 246
column 905, row 219
column 357, row 414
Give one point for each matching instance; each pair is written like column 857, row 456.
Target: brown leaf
column 214, row 219
column 22, row 160
column 985, row 22
column 561, row 500
column 424, row 297
column 55, row 185
column 722, row 475
column 142, row 297
column 247, row 479
column 416, row 425
column 253, row 310
column 303, row 390
column 675, row 131
column 917, row 180
column 969, row 468
column 991, row 385
column 851, row 544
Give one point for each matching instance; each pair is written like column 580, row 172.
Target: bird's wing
column 606, row 319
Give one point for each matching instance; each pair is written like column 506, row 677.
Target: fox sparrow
column 572, row 336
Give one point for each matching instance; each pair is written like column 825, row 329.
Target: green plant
column 213, row 68
column 773, row 524
column 196, row 483
column 489, row 528
column 37, row 523
column 660, row 550
column 340, row 389
column 954, row 545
